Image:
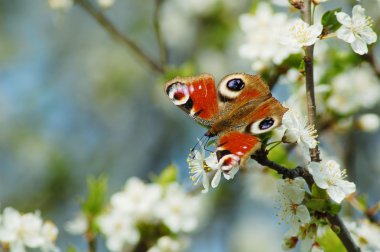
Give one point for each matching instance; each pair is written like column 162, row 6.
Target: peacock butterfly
column 238, row 110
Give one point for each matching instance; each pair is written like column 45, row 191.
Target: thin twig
column 157, row 30
column 113, row 31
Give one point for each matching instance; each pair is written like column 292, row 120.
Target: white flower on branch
column 262, row 31
column 302, row 34
column 354, row 89
column 290, row 197
column 119, row 229
column 137, row 199
column 365, row 234
column 168, row 244
column 178, row 210
column 78, row 225
column 200, row 166
column 356, row 30
column 28, row 230
column 329, row 176
column 298, row 131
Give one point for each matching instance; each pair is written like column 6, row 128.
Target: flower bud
column 298, row 4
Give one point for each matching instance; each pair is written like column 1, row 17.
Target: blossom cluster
column 19, row 232
column 267, row 44
column 167, row 212
column 201, row 167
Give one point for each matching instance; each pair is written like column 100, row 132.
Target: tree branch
column 114, row 32
column 157, row 30
column 343, row 234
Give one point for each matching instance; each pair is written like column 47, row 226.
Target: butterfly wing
column 234, row 148
column 196, row 96
column 246, row 105
column 239, row 88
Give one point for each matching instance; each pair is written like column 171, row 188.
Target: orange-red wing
column 236, row 146
column 196, row 96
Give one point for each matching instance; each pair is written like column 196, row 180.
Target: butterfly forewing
column 196, row 96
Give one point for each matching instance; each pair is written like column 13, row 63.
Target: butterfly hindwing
column 234, row 148
column 196, row 96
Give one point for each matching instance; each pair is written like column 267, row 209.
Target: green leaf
column 294, row 60
column 333, row 208
column 330, row 22
column 318, row 192
column 167, row 176
column 279, row 154
column 93, row 204
column 329, row 241
column 316, row 204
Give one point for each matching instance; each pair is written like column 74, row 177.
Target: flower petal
column 346, row 186
column 358, row 11
column 359, row 46
column 343, row 18
column 345, row 34
column 205, row 183
column 336, row 193
column 303, row 214
column 215, row 181
column 368, row 35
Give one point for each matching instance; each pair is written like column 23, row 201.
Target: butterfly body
column 238, row 110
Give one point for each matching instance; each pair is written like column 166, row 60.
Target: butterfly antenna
column 195, row 146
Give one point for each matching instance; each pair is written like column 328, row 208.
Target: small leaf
column 316, row 204
column 167, row 176
column 329, row 241
column 318, row 192
column 333, row 208
column 330, row 22
column 93, row 204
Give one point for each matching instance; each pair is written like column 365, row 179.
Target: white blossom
column 354, row 89
column 356, row 30
column 200, row 167
column 78, row 225
column 302, row 34
column 178, row 210
column 329, row 176
column 365, row 234
column 298, row 131
column 168, row 244
column 369, row 122
column 262, row 31
column 49, row 234
column 119, row 229
column 61, row 4
column 137, row 199
column 28, row 230
column 290, row 197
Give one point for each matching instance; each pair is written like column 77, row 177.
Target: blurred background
column 74, row 102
